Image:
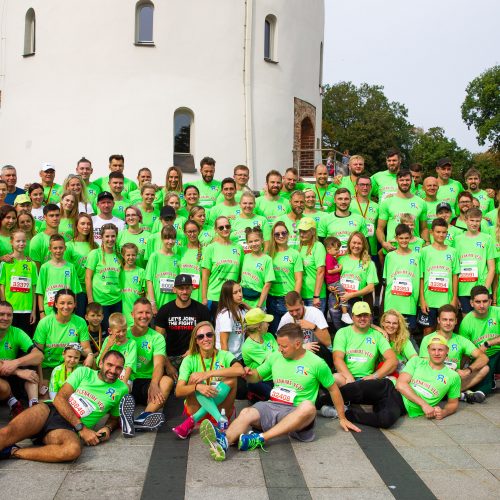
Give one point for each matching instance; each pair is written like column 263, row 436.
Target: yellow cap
column 438, row 339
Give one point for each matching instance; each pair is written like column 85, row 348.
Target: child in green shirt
column 132, row 280
column 71, row 356
column 94, row 315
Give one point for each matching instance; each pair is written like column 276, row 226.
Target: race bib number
column 439, row 282
column 343, row 249
column 356, row 359
column 246, row 248
column 80, row 406
column 468, row 271
column 402, row 287
column 20, row 284
column 195, row 278
column 350, row 284
column 282, row 395
column 166, row 285
column 51, row 295
column 370, row 228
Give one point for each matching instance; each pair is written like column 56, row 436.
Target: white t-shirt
column 37, row 213
column 85, row 208
column 98, row 223
column 226, row 323
column 312, row 314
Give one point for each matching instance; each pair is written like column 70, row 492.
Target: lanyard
column 97, row 344
column 319, row 196
column 360, row 209
column 211, row 365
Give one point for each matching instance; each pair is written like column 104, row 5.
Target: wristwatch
column 486, row 344
column 78, row 427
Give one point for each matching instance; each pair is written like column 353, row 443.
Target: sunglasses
column 201, row 336
column 281, row 234
column 227, row 227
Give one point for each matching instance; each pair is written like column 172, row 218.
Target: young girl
column 71, row 359
column 35, row 192
column 102, row 278
column 8, row 221
column 132, row 281
column 17, row 284
column 332, row 278
column 190, row 262
column 135, row 233
column 229, row 319
column 206, row 380
column 257, row 273
column 69, row 212
column 162, row 268
column 207, row 234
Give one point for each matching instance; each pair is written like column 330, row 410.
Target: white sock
column 33, row 401
column 12, row 401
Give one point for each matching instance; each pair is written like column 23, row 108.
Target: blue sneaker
column 7, row 451
column 250, row 441
column 214, row 439
column 127, row 407
column 149, row 421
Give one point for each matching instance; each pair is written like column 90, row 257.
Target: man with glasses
column 241, row 175
column 356, row 169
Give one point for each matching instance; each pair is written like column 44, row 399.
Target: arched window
column 144, row 14
column 183, row 139
column 270, row 54
column 29, row 33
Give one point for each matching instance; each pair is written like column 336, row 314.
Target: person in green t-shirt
column 473, row 180
column 482, row 327
column 324, row 192
column 150, row 214
column 271, row 205
column 208, row 188
column 443, row 211
column 472, row 371
column 116, row 164
column 228, row 207
column 191, row 256
column 207, row 380
column 71, row 359
column 384, row 183
column 297, row 375
column 60, row 426
column 55, row 275
column 449, row 189
column 134, row 233
column 292, row 219
column 173, row 184
column 39, row 245
column 69, row 212
column 310, row 207
column 132, row 280
column 241, row 175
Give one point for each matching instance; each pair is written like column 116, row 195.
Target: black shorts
column 140, row 390
column 54, row 421
column 17, row 386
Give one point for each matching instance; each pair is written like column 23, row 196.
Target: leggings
column 209, row 405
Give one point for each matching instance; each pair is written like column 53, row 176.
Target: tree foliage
column 364, row 121
column 481, row 107
column 489, row 165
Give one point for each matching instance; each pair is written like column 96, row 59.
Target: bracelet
column 195, row 385
column 315, row 296
column 108, row 427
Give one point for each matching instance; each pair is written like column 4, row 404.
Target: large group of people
column 326, row 295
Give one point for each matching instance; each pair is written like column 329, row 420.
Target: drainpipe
column 247, row 88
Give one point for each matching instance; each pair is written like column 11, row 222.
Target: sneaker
column 215, row 440
column 7, row 451
column 149, row 421
column 185, row 429
column 127, row 407
column 328, row 411
column 250, row 441
column 16, row 409
column 475, row 397
column 346, row 318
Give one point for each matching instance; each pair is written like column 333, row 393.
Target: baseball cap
column 443, row 206
column 257, row 315
column 438, row 339
column 183, row 280
column 167, row 212
column 104, row 195
column 361, row 308
column 46, row 166
column 73, row 345
column 443, row 161
column 22, row 198
column 306, row 223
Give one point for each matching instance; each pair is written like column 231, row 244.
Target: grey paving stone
column 437, row 457
column 491, row 414
column 39, row 485
column 466, row 415
column 429, row 435
column 477, row 434
column 495, row 472
column 381, row 493
column 488, row 455
column 258, row 492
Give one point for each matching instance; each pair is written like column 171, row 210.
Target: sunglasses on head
column 208, row 335
column 280, row 234
column 227, row 227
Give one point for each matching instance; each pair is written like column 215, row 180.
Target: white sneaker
column 346, row 318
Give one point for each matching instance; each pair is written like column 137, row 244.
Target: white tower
column 159, row 81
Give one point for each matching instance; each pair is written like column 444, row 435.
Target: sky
column 424, row 53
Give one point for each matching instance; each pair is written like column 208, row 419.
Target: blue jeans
column 276, row 307
column 465, row 304
column 322, row 304
column 411, row 321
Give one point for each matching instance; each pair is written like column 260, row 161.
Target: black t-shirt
column 179, row 323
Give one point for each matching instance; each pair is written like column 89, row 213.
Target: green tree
column 488, row 164
column 364, row 121
column 430, row 146
column 481, row 107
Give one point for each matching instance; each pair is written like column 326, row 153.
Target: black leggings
column 386, row 400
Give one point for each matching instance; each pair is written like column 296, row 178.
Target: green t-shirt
column 458, row 348
column 473, row 253
column 324, row 196
column 93, row 398
column 312, row 262
column 285, row 265
column 318, row 217
column 405, row 355
column 431, row 211
column 255, row 273
column 481, row 330
column 402, row 275
column 66, row 228
column 161, row 271
column 53, row 278
column 296, row 380
column 492, row 217
column 189, row 264
column 451, row 236
column 356, row 275
column 384, row 185
column 133, row 285
column 193, row 364
column 255, row 353
column 106, row 279
column 239, row 225
column 19, row 278
column 271, row 209
column 437, row 269
column 370, row 214
column 58, row 378
column 224, row 263
column 149, row 345
column 362, row 350
column 293, row 231
column 208, row 192
column 391, row 210
column 12, row 342
column 429, row 384
column 77, row 253
column 149, row 219
column 231, row 212
column 54, row 336
column 449, row 193
column 5, row 245
column 120, row 207
column 160, row 198
column 237, row 196
column 52, row 194
column 129, row 351
column 342, row 228
column 39, row 248
column 128, row 185
column 141, row 240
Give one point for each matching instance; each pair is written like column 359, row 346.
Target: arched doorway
column 306, row 147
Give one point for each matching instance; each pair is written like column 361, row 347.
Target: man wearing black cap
column 105, row 204
column 177, row 319
column 449, row 188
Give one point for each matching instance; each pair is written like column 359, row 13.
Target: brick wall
column 304, row 136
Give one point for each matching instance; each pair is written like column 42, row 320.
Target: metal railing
column 304, row 160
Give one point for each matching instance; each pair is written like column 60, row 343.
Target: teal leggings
column 209, row 405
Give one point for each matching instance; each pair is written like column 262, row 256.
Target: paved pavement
column 455, row 458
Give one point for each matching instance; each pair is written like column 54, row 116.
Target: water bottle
column 223, row 423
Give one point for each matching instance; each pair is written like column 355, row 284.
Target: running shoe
column 7, row 451
column 183, row 430
column 475, row 397
column 346, row 318
column 16, row 409
column 215, row 440
column 328, row 411
column 250, row 441
column 127, row 407
column 149, row 421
